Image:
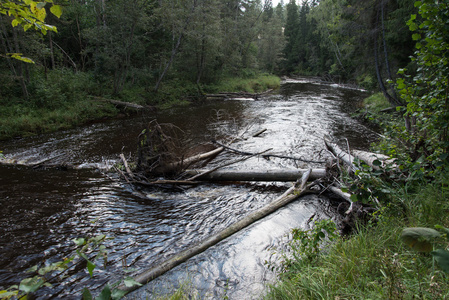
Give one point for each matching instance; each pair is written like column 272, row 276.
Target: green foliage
column 375, row 103
column 305, row 245
column 256, row 84
column 30, row 14
column 47, row 273
column 426, row 92
column 374, row 263
column 88, row 250
column 424, row 239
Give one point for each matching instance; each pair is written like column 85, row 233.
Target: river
column 44, row 210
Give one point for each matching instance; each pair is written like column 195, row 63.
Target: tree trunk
column 393, row 101
column 185, row 163
column 347, row 158
column 52, row 53
column 175, row 49
column 369, row 158
column 20, row 72
column 293, row 193
column 268, row 175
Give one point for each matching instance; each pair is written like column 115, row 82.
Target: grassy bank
column 65, row 99
column 375, row 103
column 374, row 262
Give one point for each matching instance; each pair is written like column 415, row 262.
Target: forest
column 58, row 58
column 158, row 52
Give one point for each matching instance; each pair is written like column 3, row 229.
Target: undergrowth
column 61, row 99
column 374, row 263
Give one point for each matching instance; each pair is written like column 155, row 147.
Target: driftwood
column 225, row 165
column 269, row 175
column 185, row 163
column 236, row 95
column 266, row 156
column 121, row 103
column 347, row 158
column 125, row 163
column 343, row 195
column 169, row 264
column 369, row 158
column 259, row 132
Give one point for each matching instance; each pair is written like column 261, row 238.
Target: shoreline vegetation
column 373, row 262
column 68, row 100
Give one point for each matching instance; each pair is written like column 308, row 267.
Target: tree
column 271, row 40
column 29, row 14
column 426, row 93
column 291, row 33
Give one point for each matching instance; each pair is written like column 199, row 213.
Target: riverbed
column 43, row 210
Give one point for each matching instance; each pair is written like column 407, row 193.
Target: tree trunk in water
column 293, row 193
column 268, row 175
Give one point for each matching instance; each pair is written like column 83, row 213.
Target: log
column 266, row 156
column 370, row 157
column 169, row 168
column 259, row 132
column 269, row 175
column 237, row 95
column 225, row 165
column 345, row 196
column 127, row 168
column 120, row 103
column 176, row 260
column 347, row 158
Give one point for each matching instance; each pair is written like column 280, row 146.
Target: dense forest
column 58, row 58
column 158, row 52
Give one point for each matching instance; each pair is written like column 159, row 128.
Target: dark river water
column 42, row 211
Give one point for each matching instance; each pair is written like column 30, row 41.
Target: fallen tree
column 236, row 95
column 293, row 193
column 268, row 175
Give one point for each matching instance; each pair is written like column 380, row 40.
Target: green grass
column 376, row 102
column 23, row 121
column 374, row 263
column 63, row 100
column 256, row 84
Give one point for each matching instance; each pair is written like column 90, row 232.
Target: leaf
column 8, row 294
column 130, row 282
column 56, row 10
column 105, row 294
column 30, row 285
column 419, row 238
column 40, row 5
column 32, row 269
column 90, row 267
column 118, row 294
column 79, row 241
column 87, row 294
column 416, row 36
column 442, row 258
column 19, row 56
column 15, row 22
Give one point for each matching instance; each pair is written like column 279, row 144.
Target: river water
column 44, row 210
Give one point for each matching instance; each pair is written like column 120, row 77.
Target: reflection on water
column 43, row 210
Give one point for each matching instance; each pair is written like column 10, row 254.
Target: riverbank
column 374, row 262
column 66, row 100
